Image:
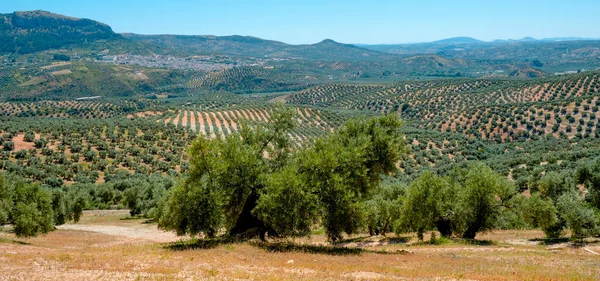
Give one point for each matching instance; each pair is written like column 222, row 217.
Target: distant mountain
column 235, row 45
column 556, row 39
column 458, row 40
column 32, row 31
column 554, row 50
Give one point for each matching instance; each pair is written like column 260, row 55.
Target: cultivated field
column 107, row 245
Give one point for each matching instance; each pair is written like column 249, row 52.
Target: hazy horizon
column 310, row 21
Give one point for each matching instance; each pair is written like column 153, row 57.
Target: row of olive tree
column 253, row 183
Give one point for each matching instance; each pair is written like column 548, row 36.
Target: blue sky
column 348, row 21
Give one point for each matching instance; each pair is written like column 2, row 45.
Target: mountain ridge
column 31, row 31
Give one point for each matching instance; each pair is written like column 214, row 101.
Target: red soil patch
column 21, row 144
column 263, row 115
column 201, row 126
column 217, row 124
column 210, row 125
column 225, row 122
column 242, row 114
column 176, row 119
column 247, row 113
column 184, row 122
column 192, row 121
column 232, row 119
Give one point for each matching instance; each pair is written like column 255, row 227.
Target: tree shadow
column 366, row 241
column 550, row 241
column 476, row 242
column 129, row 218
column 290, row 247
column 6, row 240
column 396, row 240
column 354, row 240
column 195, row 244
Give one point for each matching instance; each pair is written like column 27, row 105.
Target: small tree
column 589, row 175
column 428, row 204
column 480, row 199
column 8, row 146
column 384, row 208
column 32, row 212
column 540, row 212
column 580, row 218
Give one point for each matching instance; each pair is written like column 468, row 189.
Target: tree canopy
column 254, row 182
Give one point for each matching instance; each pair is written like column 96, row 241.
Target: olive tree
column 345, row 168
column 25, row 205
column 469, row 201
column 253, row 182
column 428, row 204
column 481, row 197
column 229, row 175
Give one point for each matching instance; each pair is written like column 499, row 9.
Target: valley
column 200, row 157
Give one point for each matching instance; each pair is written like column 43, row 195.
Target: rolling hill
column 256, row 47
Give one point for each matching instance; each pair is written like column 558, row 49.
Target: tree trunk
column 470, row 233
column 247, row 221
column 371, row 231
column 385, row 227
column 444, row 227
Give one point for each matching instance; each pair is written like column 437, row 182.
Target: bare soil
column 108, row 245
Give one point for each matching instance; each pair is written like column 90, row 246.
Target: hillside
column 33, row 31
column 552, row 51
column 66, row 80
column 256, row 47
column 491, row 109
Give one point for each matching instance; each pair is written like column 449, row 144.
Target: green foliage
column 589, row 175
column 429, row 203
column 384, row 208
column 287, row 204
column 581, row 219
column 482, row 196
column 471, row 200
column 540, row 212
column 27, row 206
column 192, row 208
column 8, row 146
column 345, row 167
column 553, row 185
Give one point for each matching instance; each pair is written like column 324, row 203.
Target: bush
column 580, row 218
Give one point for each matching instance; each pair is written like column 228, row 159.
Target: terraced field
column 224, row 121
column 249, row 79
column 65, row 109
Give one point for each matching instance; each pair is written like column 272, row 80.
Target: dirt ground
column 107, row 245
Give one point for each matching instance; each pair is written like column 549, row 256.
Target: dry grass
column 105, row 246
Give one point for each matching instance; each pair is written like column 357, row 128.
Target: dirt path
column 146, row 233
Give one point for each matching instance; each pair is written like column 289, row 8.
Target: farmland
column 128, row 156
column 448, row 121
